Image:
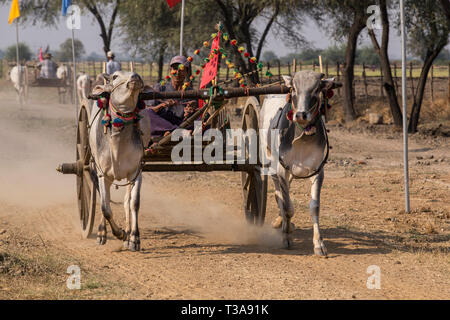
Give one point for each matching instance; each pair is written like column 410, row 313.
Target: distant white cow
column 84, row 84
column 19, row 79
column 64, row 73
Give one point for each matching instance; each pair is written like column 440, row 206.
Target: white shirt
column 113, row 66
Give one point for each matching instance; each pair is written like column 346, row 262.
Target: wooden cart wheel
column 254, row 184
column 86, row 191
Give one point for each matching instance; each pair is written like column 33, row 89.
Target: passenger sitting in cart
column 48, row 67
column 167, row 115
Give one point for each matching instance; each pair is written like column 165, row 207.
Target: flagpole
column 17, row 42
column 405, row 114
column 17, row 57
column 182, row 28
column 74, row 72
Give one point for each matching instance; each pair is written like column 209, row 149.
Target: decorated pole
column 405, row 115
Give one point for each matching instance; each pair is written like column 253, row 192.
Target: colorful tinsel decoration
column 238, row 76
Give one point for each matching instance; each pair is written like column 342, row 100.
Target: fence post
column 448, row 89
column 326, row 69
column 151, row 71
column 279, row 70
column 365, row 85
column 337, row 76
column 431, row 84
column 314, row 66
column 268, row 69
column 95, row 71
column 289, row 69
column 381, row 81
column 395, row 78
column 294, row 62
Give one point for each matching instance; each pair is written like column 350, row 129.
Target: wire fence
column 368, row 80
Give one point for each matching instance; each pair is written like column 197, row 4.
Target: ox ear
column 106, row 87
column 287, row 81
column 330, row 83
column 102, row 89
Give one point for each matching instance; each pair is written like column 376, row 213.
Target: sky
column 38, row 36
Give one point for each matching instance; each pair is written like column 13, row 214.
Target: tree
column 269, row 56
column 368, row 56
column 24, row 52
column 285, row 17
column 443, row 58
column 382, row 51
column 345, row 20
column 428, row 32
column 334, row 54
column 65, row 50
column 106, row 30
column 48, row 13
column 152, row 30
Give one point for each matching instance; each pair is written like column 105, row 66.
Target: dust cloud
column 213, row 220
column 30, row 150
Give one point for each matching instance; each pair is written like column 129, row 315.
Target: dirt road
column 195, row 241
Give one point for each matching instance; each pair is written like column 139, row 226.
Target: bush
column 24, row 52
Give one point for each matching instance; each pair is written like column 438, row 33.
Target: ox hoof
column 101, row 240
column 287, row 242
column 320, row 250
column 134, row 246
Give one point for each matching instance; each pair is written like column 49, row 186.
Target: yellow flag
column 14, row 12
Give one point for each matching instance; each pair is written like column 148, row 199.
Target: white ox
column 84, row 84
column 300, row 150
column 118, row 152
column 19, row 79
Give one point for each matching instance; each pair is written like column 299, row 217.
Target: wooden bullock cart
column 158, row 158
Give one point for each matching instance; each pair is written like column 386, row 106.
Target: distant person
column 48, row 67
column 112, row 65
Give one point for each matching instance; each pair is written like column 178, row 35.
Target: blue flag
column 65, row 5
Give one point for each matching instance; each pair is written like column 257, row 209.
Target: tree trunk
column 160, row 65
column 388, row 82
column 418, row 97
column 105, row 34
column 348, row 69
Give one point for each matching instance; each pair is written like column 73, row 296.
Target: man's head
column 47, row 55
column 182, row 66
column 110, row 55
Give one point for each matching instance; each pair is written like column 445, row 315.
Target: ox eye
column 115, row 77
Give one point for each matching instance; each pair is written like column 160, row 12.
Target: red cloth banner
column 173, row 3
column 210, row 70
